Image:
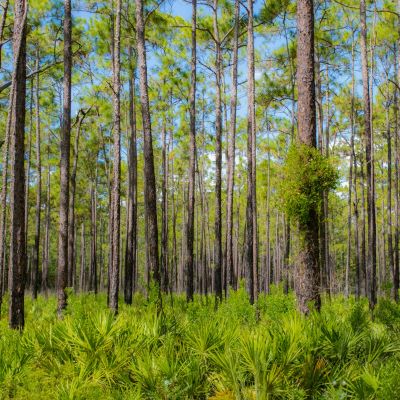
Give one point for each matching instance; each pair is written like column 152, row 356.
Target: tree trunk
column 231, row 153
column 218, row 160
column 308, row 274
column 35, row 261
column 62, row 266
column 131, row 232
column 192, row 164
column 116, row 180
column 82, row 272
column 164, row 209
column 3, row 201
column 93, row 235
column 150, row 193
column 17, row 198
column 71, row 211
column 46, row 247
column 371, row 270
column 2, row 26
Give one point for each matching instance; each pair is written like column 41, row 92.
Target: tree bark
column 218, row 159
column 251, row 209
column 150, row 193
column 189, row 267
column 231, row 153
column 308, row 273
column 131, row 233
column 371, row 270
column 116, row 179
column 17, row 197
column 35, row 261
column 62, row 264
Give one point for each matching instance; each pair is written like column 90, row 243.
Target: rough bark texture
column 62, row 264
column 131, row 231
column 371, row 260
column 116, row 179
column 308, row 273
column 17, row 198
column 150, row 182
column 189, row 268
column 231, row 279
column 218, row 159
column 251, row 209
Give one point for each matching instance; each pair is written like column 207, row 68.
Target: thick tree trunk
column 218, row 159
column 371, row 270
column 150, row 193
column 35, row 261
column 17, row 197
column 116, row 179
column 62, row 264
column 131, row 232
column 192, row 164
column 308, row 274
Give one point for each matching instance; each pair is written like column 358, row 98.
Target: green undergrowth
column 192, row 351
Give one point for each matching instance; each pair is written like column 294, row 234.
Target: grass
column 195, row 352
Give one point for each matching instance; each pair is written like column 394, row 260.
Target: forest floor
column 192, row 351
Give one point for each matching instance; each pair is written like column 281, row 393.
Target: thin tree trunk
column 131, row 232
column 2, row 26
column 35, row 261
column 218, row 159
column 231, row 153
column 3, row 201
column 82, row 272
column 46, row 247
column 371, row 270
column 93, row 235
column 116, row 180
column 71, row 211
column 192, row 164
column 62, row 271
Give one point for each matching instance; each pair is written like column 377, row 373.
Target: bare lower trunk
column 131, row 232
column 189, row 267
column 231, row 154
column 371, row 270
column 218, row 160
column 62, row 264
column 35, row 261
column 308, row 274
column 17, row 196
column 116, row 179
column 150, row 182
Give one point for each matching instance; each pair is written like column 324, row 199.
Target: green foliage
column 306, row 175
column 193, row 351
